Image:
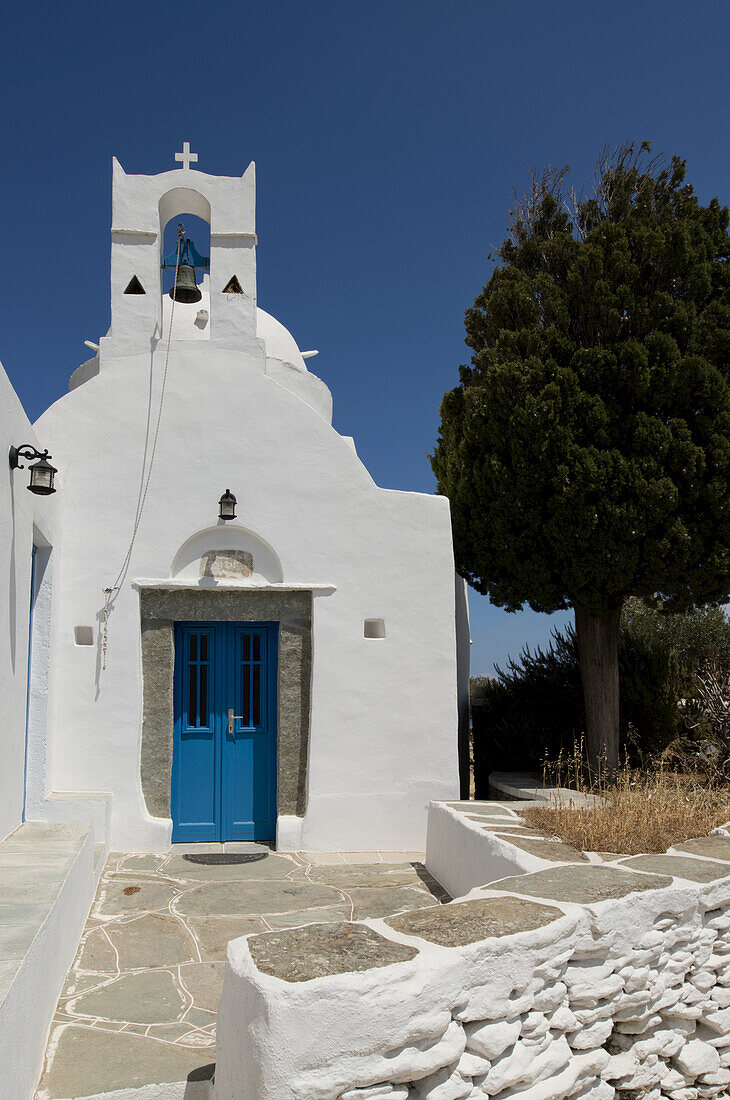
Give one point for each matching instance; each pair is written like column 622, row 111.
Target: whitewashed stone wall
column 575, row 981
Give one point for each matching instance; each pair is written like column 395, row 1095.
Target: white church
column 218, row 627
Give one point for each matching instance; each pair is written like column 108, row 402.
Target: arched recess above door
column 226, row 555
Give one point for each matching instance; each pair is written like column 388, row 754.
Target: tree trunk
column 597, row 637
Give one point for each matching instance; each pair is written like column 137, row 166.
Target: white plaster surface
column 463, row 666
column 280, row 344
column 39, row 669
column 241, row 411
column 22, row 514
column 461, row 854
column 185, row 323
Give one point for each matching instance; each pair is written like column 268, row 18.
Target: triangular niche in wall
column 134, row 286
column 232, row 286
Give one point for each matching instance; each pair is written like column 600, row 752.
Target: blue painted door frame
column 224, row 740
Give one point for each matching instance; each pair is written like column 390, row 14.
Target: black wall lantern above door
column 227, row 506
column 41, row 472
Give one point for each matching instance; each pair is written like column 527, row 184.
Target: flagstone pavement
column 140, row 1001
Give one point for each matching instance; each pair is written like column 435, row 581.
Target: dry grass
column 641, row 812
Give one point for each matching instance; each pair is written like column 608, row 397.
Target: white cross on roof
column 186, row 156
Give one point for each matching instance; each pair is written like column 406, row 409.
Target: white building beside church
column 295, row 673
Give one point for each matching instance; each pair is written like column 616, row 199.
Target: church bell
column 185, row 288
column 184, row 259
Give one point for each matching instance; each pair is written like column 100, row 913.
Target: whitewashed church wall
column 506, row 993
column 463, row 675
column 22, row 514
column 383, row 711
column 39, row 748
column 242, row 412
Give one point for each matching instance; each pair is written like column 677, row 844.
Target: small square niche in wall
column 375, row 628
column 84, row 635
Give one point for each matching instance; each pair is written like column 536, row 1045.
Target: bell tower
column 141, row 208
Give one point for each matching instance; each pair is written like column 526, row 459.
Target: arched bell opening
column 185, row 264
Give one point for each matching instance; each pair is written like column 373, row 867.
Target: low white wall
column 28, row 1007
column 382, row 1027
column 460, row 855
column 627, row 993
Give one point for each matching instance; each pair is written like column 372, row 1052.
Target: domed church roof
column 280, row 344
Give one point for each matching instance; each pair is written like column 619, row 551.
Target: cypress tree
column 586, row 451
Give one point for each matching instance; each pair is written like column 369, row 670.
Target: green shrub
column 534, row 708
column 531, row 708
column 653, row 684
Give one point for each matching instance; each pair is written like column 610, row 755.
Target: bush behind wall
column 534, row 707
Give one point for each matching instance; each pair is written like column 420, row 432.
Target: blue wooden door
column 224, row 747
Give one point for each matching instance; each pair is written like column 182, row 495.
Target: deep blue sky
column 387, row 138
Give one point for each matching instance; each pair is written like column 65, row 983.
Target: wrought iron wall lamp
column 41, row 472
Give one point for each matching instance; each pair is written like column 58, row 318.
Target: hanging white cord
column 109, row 592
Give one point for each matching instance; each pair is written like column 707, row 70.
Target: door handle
column 231, row 717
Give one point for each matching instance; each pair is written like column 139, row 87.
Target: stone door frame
column 160, row 608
